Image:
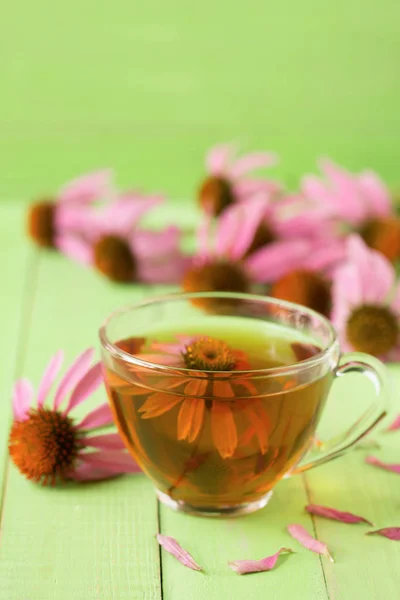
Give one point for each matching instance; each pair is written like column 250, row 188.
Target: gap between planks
column 27, row 302
column 315, row 531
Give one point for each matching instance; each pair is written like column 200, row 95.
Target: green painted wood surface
column 147, row 88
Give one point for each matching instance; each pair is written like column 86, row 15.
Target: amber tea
column 208, row 426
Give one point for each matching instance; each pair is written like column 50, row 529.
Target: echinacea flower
column 49, row 219
column 48, row 444
column 210, row 385
column 226, row 264
column 117, row 247
column 228, row 179
column 361, row 201
column 366, row 303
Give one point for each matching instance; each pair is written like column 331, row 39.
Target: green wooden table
column 146, row 88
column 96, row 542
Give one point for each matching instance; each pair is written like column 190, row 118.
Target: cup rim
column 311, row 362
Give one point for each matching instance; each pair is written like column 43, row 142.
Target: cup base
column 218, row 511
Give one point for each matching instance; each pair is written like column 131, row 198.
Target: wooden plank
column 18, row 269
column 89, row 542
column 365, row 567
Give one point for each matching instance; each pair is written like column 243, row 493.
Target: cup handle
column 354, row 362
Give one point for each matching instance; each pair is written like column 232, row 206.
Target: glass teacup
column 218, row 395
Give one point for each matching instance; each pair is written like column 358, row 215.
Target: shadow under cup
column 216, row 442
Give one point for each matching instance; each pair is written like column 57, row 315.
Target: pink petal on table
column 395, row 425
column 22, row 398
column 49, row 376
column 372, row 460
column 299, row 533
column 103, row 465
column 98, row 417
column 242, row 567
column 114, row 461
column 108, row 441
column 173, row 547
column 86, row 386
column 73, row 375
column 392, row 533
column 336, row 515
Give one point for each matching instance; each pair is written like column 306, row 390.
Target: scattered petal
column 299, row 533
column 392, row 533
column 395, row 425
column 242, row 567
column 372, row 460
column 336, row 515
column 96, row 466
column 173, row 547
column 108, row 463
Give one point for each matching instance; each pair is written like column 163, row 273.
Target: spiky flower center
column 113, row 257
column 372, row 329
column 383, row 235
column 306, row 288
column 216, row 194
column 41, row 223
column 44, row 446
column 208, row 354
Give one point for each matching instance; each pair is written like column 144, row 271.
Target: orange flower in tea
column 208, row 387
